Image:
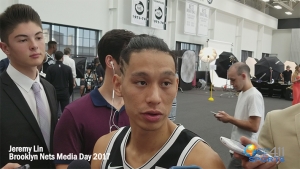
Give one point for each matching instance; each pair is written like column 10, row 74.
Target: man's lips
column 35, row 55
column 152, row 116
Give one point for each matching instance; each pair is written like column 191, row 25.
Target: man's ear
column 244, row 75
column 4, row 48
column 117, row 82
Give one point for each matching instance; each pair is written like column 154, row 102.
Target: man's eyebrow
column 139, row 74
column 168, row 73
column 22, row 35
column 144, row 74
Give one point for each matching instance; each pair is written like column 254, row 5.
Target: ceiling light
column 277, row 7
column 265, row 0
column 288, row 13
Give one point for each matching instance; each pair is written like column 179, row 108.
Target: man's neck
column 29, row 72
column 154, row 141
column 49, row 52
column 247, row 86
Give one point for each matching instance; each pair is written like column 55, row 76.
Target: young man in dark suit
column 27, row 102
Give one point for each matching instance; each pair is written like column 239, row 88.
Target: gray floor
column 193, row 111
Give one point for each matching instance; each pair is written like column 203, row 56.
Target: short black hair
column 58, row 55
column 142, row 42
column 112, row 43
column 51, row 44
column 96, row 60
column 14, row 15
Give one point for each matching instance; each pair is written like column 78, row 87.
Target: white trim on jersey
column 151, row 162
column 187, row 150
column 111, row 144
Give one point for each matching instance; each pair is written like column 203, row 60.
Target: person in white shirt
column 249, row 113
column 70, row 62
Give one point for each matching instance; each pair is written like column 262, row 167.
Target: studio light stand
column 208, row 55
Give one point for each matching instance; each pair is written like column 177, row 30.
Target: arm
column 48, row 76
column 71, row 81
column 205, row 157
column 255, row 110
column 294, row 78
column 281, row 76
column 100, row 147
column 67, row 138
column 265, row 138
column 252, row 124
column 73, row 67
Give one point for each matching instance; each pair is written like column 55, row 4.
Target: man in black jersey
column 49, row 57
column 148, row 85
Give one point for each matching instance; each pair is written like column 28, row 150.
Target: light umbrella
column 268, row 68
column 251, row 63
column 291, row 64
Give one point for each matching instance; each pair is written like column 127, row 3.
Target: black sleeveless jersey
column 173, row 152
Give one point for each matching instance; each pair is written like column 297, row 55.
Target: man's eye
column 166, row 83
column 142, row 83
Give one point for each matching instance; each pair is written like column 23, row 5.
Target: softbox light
column 80, row 64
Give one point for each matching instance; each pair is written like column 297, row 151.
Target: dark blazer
column 19, row 127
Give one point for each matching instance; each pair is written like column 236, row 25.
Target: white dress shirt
column 70, row 62
column 24, row 84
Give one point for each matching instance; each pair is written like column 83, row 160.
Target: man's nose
column 154, row 95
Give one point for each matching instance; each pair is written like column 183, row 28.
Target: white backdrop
column 220, row 47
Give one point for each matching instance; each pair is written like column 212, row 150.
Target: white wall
column 91, row 14
column 124, row 22
column 281, row 43
column 225, row 27
column 249, row 37
column 267, row 40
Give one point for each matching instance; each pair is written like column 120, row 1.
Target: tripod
column 206, row 76
column 229, row 93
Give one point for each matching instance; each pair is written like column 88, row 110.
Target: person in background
column 280, row 131
column 99, row 71
column 4, row 64
column 88, row 81
column 286, row 75
column 60, row 76
column 70, row 62
column 49, row 57
column 249, row 111
column 28, row 103
column 296, row 85
column 148, row 85
column 97, row 113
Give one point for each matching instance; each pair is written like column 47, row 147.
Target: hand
column 11, row 166
column 223, row 116
column 74, row 84
column 253, row 165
